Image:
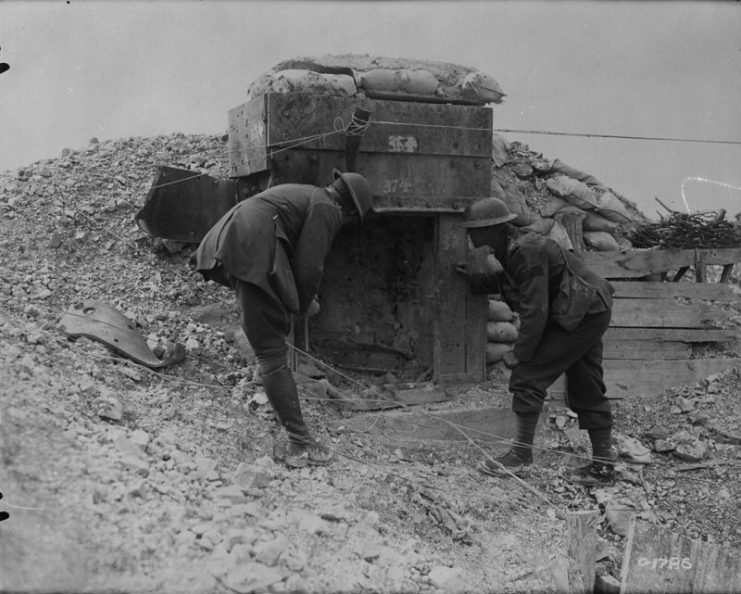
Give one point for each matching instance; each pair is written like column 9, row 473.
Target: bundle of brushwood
column 680, row 230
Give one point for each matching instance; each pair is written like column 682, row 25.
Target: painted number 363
column 403, row 144
column 675, row 563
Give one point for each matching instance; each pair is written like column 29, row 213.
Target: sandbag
column 501, row 332
column 551, row 207
column 381, row 77
column 612, row 208
column 560, row 167
column 480, row 87
column 541, row 225
column 496, row 190
column 412, row 82
column 579, row 194
column 572, row 191
column 560, row 236
column 495, row 351
column 499, row 150
column 516, row 203
column 601, row 240
column 304, row 81
column 499, row 311
column 595, row 222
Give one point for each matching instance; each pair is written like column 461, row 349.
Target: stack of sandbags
column 501, row 330
column 380, row 78
column 559, row 201
column 600, row 212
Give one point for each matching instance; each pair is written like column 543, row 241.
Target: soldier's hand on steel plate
column 313, row 309
column 463, row 270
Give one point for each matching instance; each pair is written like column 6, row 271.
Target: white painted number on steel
column 403, row 144
column 662, row 563
column 397, row 186
column 255, row 128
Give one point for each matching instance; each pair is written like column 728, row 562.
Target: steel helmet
column 487, row 212
column 359, row 190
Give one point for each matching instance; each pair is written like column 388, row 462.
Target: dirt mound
column 119, row 477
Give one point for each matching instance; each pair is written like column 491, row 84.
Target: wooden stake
column 582, row 550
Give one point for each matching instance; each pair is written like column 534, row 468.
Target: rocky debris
column 109, row 407
column 632, row 450
column 165, row 480
column 445, row 578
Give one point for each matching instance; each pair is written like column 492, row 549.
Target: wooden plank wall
column 460, row 320
column 655, row 324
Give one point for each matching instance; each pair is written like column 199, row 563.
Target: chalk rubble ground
column 118, row 477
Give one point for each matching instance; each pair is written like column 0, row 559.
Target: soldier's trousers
column 579, row 356
column 267, row 324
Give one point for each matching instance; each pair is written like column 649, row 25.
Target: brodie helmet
column 487, row 212
column 359, row 190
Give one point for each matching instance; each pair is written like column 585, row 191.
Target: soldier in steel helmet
column 270, row 248
column 549, row 343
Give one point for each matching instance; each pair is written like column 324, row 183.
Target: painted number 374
column 675, row 563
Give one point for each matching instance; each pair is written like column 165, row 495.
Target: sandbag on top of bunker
column 380, row 78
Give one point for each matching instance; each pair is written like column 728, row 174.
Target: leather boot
column 602, row 469
column 302, row 449
column 280, row 388
column 519, row 456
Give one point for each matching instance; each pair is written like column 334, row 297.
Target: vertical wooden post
column 582, row 550
column 700, row 275
column 450, row 296
column 572, row 222
column 459, row 352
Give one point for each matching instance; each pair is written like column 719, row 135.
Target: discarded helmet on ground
column 359, row 190
column 487, row 212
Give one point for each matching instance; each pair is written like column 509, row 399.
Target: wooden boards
column 649, row 345
column 660, row 562
column 642, row 350
column 624, row 376
column 582, row 550
column 671, row 334
column 660, row 290
column 666, row 313
column 460, row 316
column 641, row 263
column 416, row 156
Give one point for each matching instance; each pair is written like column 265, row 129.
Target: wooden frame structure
column 660, row 318
column 387, row 303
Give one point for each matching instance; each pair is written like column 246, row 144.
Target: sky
column 114, row 69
